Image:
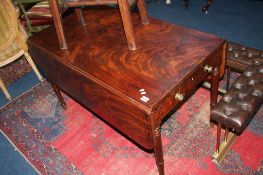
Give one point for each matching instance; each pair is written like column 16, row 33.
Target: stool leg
column 80, row 17
column 8, row 96
column 143, row 12
column 30, row 61
column 223, row 148
column 218, row 134
column 127, row 24
column 58, row 23
column 228, row 78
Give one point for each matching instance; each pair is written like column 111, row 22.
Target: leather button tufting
column 227, row 112
column 241, row 96
column 251, row 82
column 242, row 101
column 257, row 93
column 238, row 86
column 240, row 57
column 248, row 73
column 244, row 107
column 257, row 62
column 227, row 99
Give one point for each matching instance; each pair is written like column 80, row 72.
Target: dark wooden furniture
column 125, row 11
column 131, row 90
column 186, row 2
column 237, row 108
column 206, row 6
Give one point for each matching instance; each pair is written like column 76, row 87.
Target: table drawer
column 185, row 88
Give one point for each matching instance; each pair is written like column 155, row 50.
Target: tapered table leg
column 214, row 86
column 158, row 150
column 59, row 95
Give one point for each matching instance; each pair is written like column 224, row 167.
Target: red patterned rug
column 76, row 142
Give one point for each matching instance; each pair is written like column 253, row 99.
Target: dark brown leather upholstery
column 240, row 57
column 243, row 100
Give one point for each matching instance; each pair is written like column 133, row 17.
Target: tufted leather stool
column 240, row 57
column 236, row 109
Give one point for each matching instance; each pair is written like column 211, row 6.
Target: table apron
column 111, row 108
column 189, row 84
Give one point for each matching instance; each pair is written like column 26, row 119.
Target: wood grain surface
column 166, row 53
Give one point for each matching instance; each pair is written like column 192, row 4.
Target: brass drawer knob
column 179, row 96
column 208, row 68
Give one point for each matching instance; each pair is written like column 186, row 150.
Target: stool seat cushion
column 240, row 57
column 238, row 106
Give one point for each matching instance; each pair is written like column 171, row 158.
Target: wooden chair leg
column 127, row 24
column 143, row 12
column 80, row 17
column 228, row 78
column 8, row 96
column 58, row 23
column 32, row 64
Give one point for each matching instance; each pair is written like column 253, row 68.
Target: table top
column 166, row 53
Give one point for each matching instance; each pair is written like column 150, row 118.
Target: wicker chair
column 12, row 40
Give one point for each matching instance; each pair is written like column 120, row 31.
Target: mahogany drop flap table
column 131, row 90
